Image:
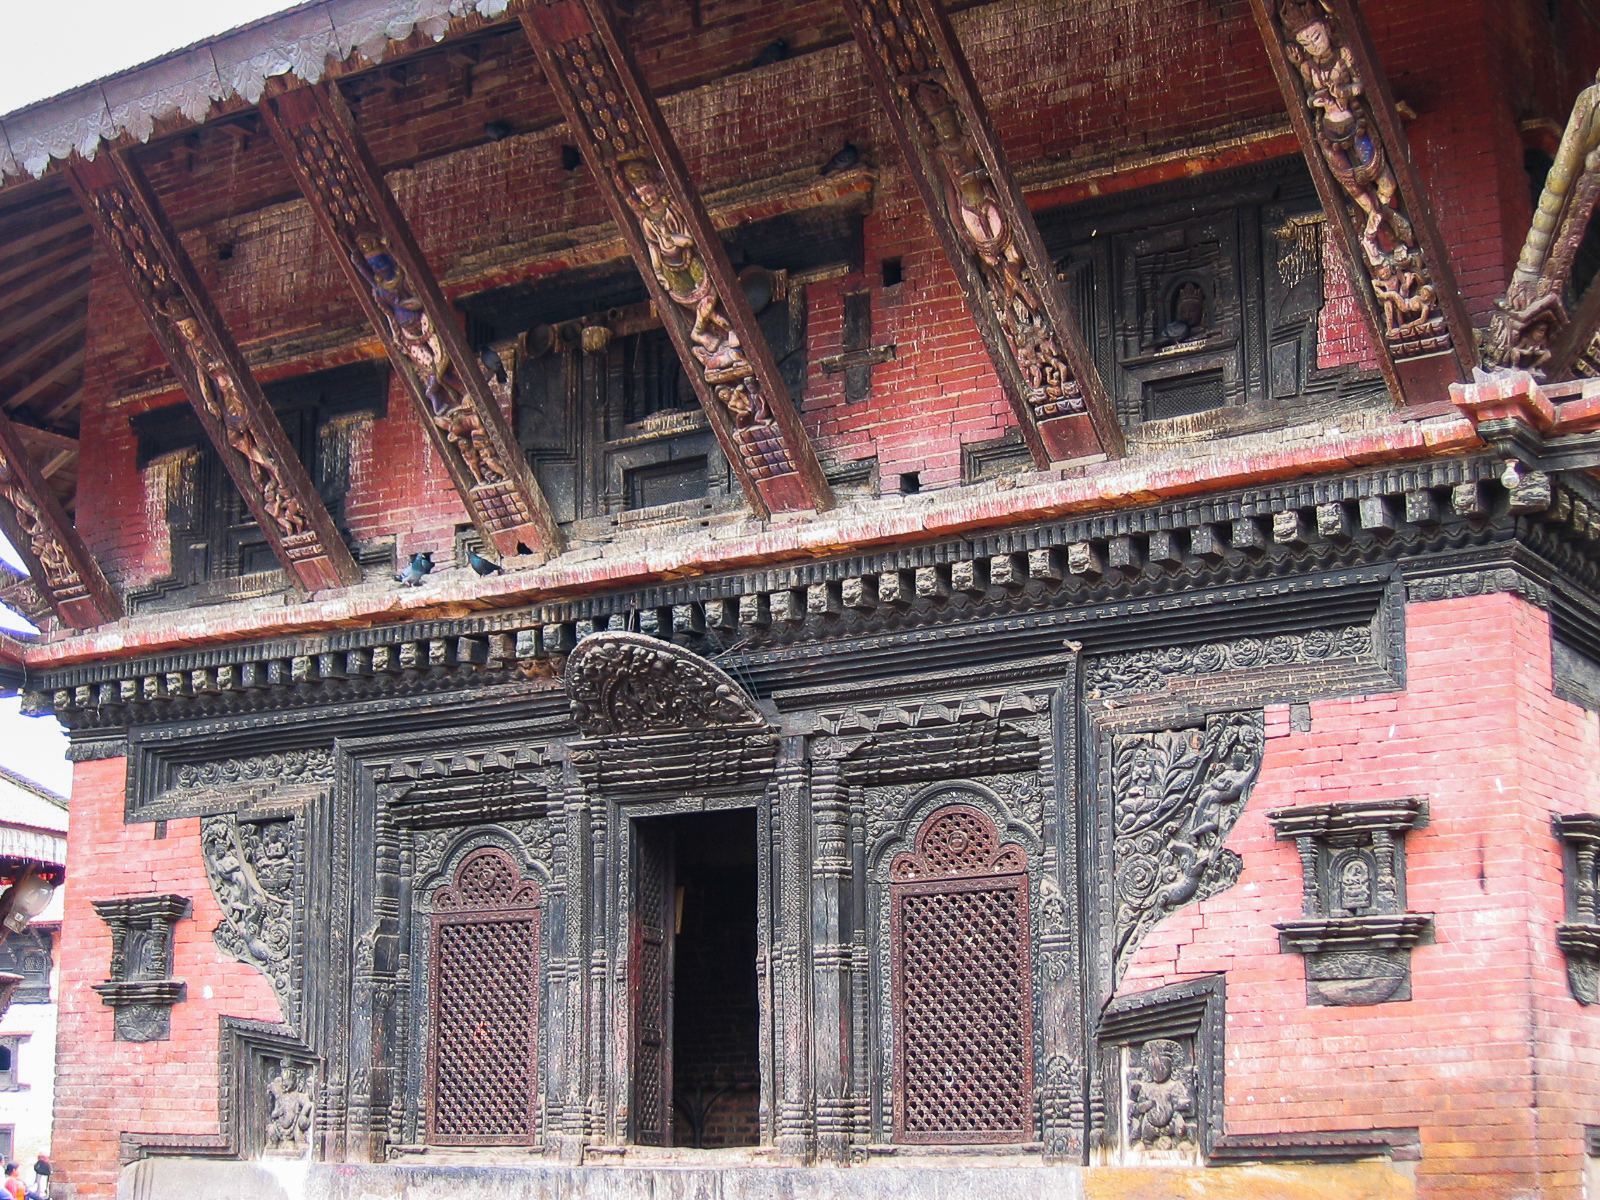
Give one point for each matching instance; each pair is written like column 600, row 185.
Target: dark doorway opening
column 697, row 1012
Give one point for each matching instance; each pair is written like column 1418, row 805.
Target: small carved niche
column 141, row 988
column 1161, row 1071
column 1355, row 932
column 1579, row 935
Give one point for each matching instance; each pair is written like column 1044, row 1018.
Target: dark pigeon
column 421, row 563
column 847, row 157
column 482, row 565
column 777, row 52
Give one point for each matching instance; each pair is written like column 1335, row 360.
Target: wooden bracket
column 380, row 257
column 1350, row 132
column 247, row 434
column 62, row 568
column 636, row 164
column 988, row 233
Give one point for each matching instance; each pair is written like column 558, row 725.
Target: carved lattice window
column 963, row 997
column 485, row 1004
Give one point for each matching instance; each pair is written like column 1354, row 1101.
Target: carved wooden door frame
column 650, row 1110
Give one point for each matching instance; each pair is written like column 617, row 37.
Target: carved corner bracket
column 251, row 867
column 381, row 260
column 1355, row 934
column 1356, row 148
column 1161, row 1072
column 1579, row 935
column 62, row 570
column 636, row 164
column 236, row 416
column 993, row 244
column 141, row 988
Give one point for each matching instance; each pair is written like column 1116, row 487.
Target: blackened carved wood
column 381, row 259
column 1356, row 148
column 650, row 954
column 1579, row 934
column 636, row 165
column 141, row 988
column 983, row 222
column 247, row 434
column 62, row 569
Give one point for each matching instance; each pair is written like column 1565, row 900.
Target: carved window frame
column 523, row 902
column 914, row 874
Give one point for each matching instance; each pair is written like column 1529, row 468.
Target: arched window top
column 958, row 840
column 487, row 879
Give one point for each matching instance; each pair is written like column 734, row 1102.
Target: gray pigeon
column 421, row 563
column 847, row 157
column 482, row 565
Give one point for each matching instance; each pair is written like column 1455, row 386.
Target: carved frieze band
column 61, row 567
column 1177, row 794
column 251, row 868
column 247, row 434
column 989, row 235
column 1149, row 670
column 636, row 165
column 1531, row 329
column 380, row 258
column 1356, row 148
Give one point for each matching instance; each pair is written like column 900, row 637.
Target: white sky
column 46, row 49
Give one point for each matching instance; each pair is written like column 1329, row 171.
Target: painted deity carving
column 219, row 392
column 412, row 329
column 1358, row 160
column 46, row 548
column 1161, row 1097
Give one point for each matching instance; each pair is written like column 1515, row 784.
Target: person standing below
column 13, row 1183
column 41, row 1178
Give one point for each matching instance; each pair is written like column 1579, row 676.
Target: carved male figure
column 1161, row 1096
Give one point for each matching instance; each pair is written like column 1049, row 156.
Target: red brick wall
column 1492, row 1058
column 104, row 1087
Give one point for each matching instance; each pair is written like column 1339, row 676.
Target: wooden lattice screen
column 963, row 996
column 485, row 1005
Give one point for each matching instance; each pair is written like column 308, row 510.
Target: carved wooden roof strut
column 247, row 434
column 62, row 569
column 1356, row 148
column 636, row 164
column 990, row 237
column 401, row 296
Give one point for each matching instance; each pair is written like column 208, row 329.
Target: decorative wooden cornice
column 990, row 237
column 422, row 333
column 1356, row 148
column 63, row 570
column 247, row 434
column 635, row 162
column 1532, row 329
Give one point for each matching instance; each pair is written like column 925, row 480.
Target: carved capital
column 395, row 287
column 61, row 567
column 636, row 164
column 983, row 222
column 247, row 434
column 1357, row 151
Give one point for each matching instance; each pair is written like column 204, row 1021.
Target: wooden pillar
column 1357, row 151
column 983, row 222
column 383, row 263
column 32, row 520
column 636, row 164
column 832, row 926
column 247, row 434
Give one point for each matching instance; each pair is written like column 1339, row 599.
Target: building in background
column 820, row 597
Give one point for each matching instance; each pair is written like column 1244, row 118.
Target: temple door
column 650, row 978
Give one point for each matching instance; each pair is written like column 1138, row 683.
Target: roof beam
column 53, row 375
column 247, row 435
column 40, row 236
column 58, row 562
column 635, row 162
column 32, row 352
column 991, row 239
column 34, row 315
column 1356, row 148
column 67, row 249
column 422, row 333
column 66, row 404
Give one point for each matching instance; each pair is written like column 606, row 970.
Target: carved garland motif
column 1354, row 150
column 627, row 683
column 1177, row 795
column 675, row 260
column 901, row 39
column 1149, row 670
column 250, row 866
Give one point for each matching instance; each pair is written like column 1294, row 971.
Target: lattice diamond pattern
column 957, row 840
column 967, row 1010
column 488, row 988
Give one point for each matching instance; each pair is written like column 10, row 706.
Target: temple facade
column 817, row 598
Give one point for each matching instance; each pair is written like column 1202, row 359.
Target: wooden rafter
column 32, row 519
column 50, row 377
column 73, row 224
column 32, row 351
column 26, row 320
column 28, row 265
column 636, row 164
column 422, row 333
column 247, row 434
column 1350, row 132
column 993, row 244
column 66, row 404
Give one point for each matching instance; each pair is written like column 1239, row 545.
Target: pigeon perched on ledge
column 482, row 565
column 847, row 157
column 421, row 563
